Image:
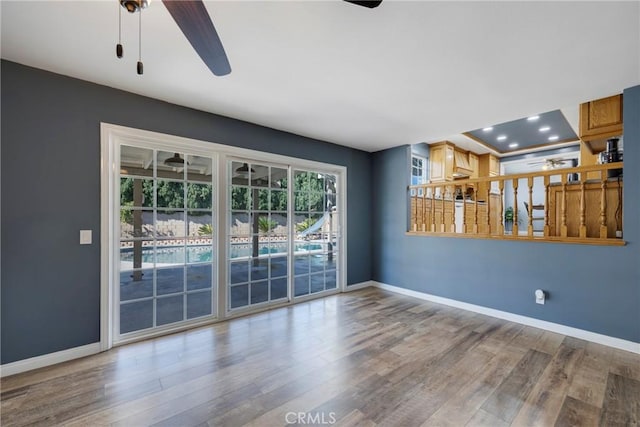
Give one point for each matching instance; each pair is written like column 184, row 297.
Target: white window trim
column 424, row 166
column 112, row 136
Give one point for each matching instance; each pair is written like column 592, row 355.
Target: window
column 418, row 170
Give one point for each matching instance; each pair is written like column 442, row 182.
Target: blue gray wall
column 51, row 189
column 596, row 288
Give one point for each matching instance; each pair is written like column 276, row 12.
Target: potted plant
column 508, row 219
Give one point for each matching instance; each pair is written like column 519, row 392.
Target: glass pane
column 171, row 165
column 316, row 202
column 302, row 222
column 278, row 244
column 169, row 280
column 265, row 223
column 331, row 261
column 198, row 304
column 199, row 196
column 170, row 194
column 239, row 272
column 240, row 248
column 169, row 252
column 330, row 279
column 136, row 284
column 138, row 254
column 278, row 288
column 301, row 285
column 170, row 223
column 200, row 224
column 263, row 199
column 199, row 277
column 259, row 269
column 278, row 266
column 278, row 178
column 317, row 283
column 300, row 181
column 239, row 173
column 278, row 200
column 259, row 175
column 135, row 223
column 240, row 198
column 240, row 224
column 135, row 316
column 301, row 264
column 316, row 263
column 301, row 202
column 281, row 223
column 136, row 161
column 239, row 296
column 259, row 292
column 136, row 192
column 199, row 169
column 169, row 309
column 199, row 251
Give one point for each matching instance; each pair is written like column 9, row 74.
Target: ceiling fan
column 195, row 23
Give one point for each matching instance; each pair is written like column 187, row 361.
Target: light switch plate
column 85, row 237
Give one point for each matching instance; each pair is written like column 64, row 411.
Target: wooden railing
column 577, row 205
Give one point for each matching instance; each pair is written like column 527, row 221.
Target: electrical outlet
column 619, row 234
column 540, row 296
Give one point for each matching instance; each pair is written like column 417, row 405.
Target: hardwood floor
column 364, row 358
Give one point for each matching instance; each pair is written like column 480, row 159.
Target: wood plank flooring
column 365, row 358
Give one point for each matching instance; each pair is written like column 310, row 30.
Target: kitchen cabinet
column 488, row 165
column 473, row 164
column 599, row 120
column 441, row 158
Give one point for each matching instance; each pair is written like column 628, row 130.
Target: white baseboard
column 618, row 343
column 48, row 359
column 360, row 285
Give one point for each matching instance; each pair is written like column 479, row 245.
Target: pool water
column 204, row 253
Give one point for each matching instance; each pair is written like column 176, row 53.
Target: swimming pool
column 204, row 253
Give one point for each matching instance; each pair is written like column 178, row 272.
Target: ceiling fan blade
column 194, row 21
column 365, row 3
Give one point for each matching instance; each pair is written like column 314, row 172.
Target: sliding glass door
column 317, row 226
column 166, row 246
column 258, row 232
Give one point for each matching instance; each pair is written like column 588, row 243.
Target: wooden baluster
column 583, row 207
column 515, row 207
column 546, row 204
column 442, row 194
column 464, row 209
column 452, row 189
column 603, row 204
column 501, row 226
column 424, row 209
column 488, row 205
column 414, row 199
column 433, row 209
column 563, row 209
column 475, row 210
column 530, row 213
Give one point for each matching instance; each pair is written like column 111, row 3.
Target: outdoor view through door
column 264, row 230
column 197, row 232
column 166, row 238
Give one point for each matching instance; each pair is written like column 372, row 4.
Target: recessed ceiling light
column 544, row 128
column 502, row 137
column 489, row 129
column 533, row 118
column 513, row 145
column 553, row 138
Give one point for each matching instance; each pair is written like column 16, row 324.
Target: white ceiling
column 402, row 73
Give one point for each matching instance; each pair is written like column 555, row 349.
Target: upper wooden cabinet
column 441, row 159
column 488, row 165
column 599, row 120
column 473, row 163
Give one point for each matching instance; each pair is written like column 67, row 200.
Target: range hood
column 461, row 166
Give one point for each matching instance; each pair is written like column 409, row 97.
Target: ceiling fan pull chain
column 140, row 67
column 119, row 45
